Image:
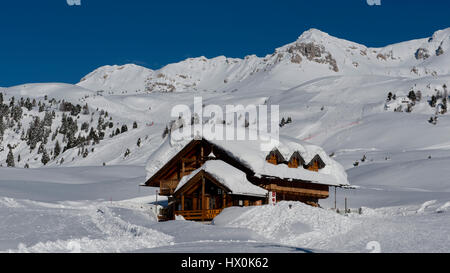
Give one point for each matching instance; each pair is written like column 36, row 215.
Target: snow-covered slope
column 121, row 78
column 395, row 148
column 315, row 80
column 313, row 54
column 53, row 90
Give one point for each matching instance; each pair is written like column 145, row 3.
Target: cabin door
column 212, row 202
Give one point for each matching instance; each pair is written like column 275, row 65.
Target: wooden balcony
column 317, row 193
column 199, row 215
column 167, row 187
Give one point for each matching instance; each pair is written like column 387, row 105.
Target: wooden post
column 345, row 204
column 182, row 202
column 203, row 199
column 194, row 202
column 224, row 201
column 335, row 198
column 157, row 213
column 182, row 168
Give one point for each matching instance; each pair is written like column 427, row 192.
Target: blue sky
column 50, row 41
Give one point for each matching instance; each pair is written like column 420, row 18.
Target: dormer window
column 296, row 160
column 275, row 157
column 316, row 164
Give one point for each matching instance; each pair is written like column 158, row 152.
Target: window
column 241, row 203
column 219, row 191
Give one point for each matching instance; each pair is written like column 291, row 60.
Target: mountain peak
column 313, row 34
column 441, row 35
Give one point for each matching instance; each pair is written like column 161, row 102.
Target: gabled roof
column 297, row 156
column 280, row 158
column 230, row 177
column 250, row 156
column 319, row 161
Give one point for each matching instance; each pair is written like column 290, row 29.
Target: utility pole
column 157, row 203
column 203, row 199
column 335, row 207
column 345, row 204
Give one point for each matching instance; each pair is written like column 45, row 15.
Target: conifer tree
column 10, row 159
column 127, row 153
column 124, row 128
column 57, row 149
column 45, row 158
column 139, row 142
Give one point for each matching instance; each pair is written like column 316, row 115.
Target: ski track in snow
column 99, row 220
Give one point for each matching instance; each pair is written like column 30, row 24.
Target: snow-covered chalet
column 203, row 176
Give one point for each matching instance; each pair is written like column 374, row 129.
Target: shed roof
column 232, row 178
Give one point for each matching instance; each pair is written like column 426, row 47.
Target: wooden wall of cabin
column 306, row 188
column 215, row 198
column 192, row 160
column 293, row 197
column 246, row 201
column 193, row 202
column 186, row 164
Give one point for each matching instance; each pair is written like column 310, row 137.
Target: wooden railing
column 318, row 193
column 208, row 214
column 167, row 187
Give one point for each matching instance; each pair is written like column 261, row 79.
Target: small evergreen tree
column 166, row 132
column 412, row 96
column 139, row 142
column 85, row 127
column 283, row 122
column 45, row 158
column 2, row 127
column 85, row 153
column 57, row 149
column 86, row 109
column 10, row 159
column 444, row 106
column 389, row 97
column 433, row 101
column 41, row 148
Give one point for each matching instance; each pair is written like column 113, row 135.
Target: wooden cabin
column 217, row 185
column 197, row 191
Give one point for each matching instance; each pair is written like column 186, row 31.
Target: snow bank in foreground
column 291, row 223
column 88, row 226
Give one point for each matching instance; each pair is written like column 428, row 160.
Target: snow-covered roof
column 250, row 154
column 232, row 178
